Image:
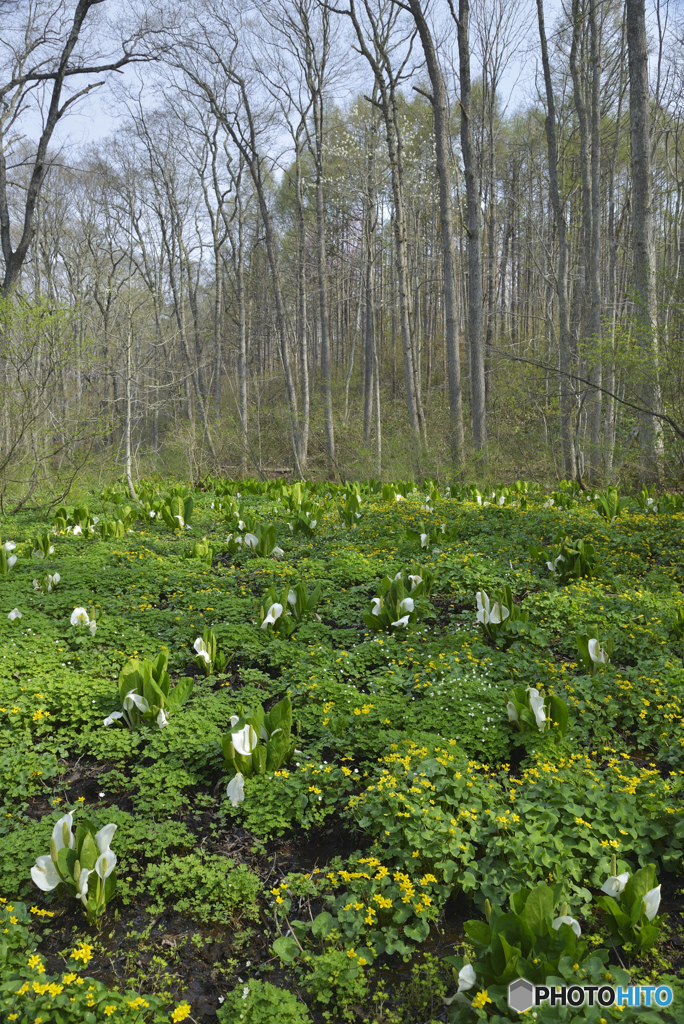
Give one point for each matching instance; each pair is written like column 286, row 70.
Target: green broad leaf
column 641, row 882
column 159, row 665
column 280, row 716
column 89, row 852
column 419, row 931
column 130, row 678
column 180, row 693
column 277, row 749
column 286, row 949
column 177, row 508
column 559, row 713
column 259, row 760
column 153, row 694
column 110, row 886
column 511, row 955
column 323, row 924
column 188, row 507
column 66, row 862
column 538, row 912
column 479, row 934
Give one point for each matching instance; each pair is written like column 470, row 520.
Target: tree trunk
column 441, row 123
column 565, row 339
column 643, row 247
column 474, row 230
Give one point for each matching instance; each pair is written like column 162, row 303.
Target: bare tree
column 40, row 60
column 565, row 339
column 643, row 247
column 440, row 109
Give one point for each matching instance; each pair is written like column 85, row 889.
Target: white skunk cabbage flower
column 490, row 613
column 113, row 717
column 599, row 655
column 251, row 540
column 82, row 886
column 564, row 919
column 466, row 978
column 45, row 874
column 245, row 740
column 162, row 720
column 201, row 649
column 424, row 539
column 236, row 790
column 273, row 613
column 651, row 902
column 291, row 598
column 133, row 699
column 415, row 580
column 80, row 617
column 614, row 885
column 512, row 712
column 14, row 614
column 377, row 606
column 551, row 566
column 401, row 623
column 537, row 706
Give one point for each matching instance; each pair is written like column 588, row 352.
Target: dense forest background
column 360, row 238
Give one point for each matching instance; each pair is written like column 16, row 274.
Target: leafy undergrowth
column 352, row 880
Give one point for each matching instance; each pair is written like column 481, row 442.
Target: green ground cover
column 400, row 826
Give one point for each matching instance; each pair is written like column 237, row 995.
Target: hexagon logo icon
column 521, row 995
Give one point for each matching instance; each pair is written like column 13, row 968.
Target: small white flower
column 14, row 614
column 80, row 617
column 152, row 513
column 102, row 795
